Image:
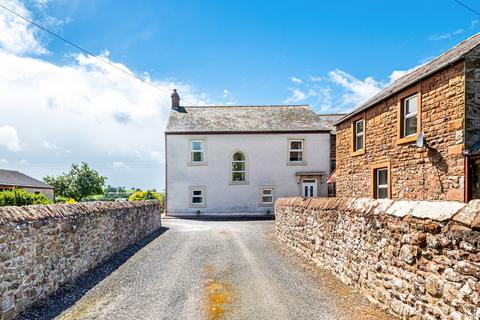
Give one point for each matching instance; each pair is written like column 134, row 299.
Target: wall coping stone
column 433, row 210
column 23, row 214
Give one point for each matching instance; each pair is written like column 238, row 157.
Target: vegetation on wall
column 19, row 197
column 148, row 195
column 80, row 182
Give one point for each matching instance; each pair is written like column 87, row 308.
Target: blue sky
column 62, row 107
column 253, row 48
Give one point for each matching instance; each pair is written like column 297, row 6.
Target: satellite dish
column 421, row 141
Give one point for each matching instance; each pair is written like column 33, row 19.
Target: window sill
column 266, row 205
column 197, row 206
column 358, row 152
column 202, row 163
column 238, row 182
column 296, row 163
column 407, row 139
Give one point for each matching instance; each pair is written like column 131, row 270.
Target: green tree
column 78, row 183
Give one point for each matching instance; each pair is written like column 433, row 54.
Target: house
column 419, row 138
column 16, row 180
column 232, row 160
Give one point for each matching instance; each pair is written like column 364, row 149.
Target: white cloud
column 296, row 96
column 53, row 147
column 9, row 138
column 82, row 110
column 397, row 74
column 16, row 35
column 3, row 162
column 296, row 80
column 356, row 90
column 447, row 35
column 119, row 165
column 23, row 163
column 157, row 156
column 473, row 24
column 226, row 93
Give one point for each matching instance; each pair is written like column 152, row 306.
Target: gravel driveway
column 207, row 270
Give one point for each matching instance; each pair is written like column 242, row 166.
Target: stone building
column 379, row 144
column 236, row 160
column 10, row 179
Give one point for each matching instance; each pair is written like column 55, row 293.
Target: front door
column 473, row 185
column 309, row 188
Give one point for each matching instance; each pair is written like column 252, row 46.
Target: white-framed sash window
column 296, row 150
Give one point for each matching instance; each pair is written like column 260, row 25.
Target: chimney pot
column 175, row 100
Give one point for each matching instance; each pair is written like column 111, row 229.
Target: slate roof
column 18, row 179
column 281, row 118
column 331, row 119
column 453, row 55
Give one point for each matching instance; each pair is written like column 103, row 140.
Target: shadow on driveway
column 68, row 294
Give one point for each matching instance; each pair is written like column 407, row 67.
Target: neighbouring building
column 238, row 159
column 10, row 179
column 419, row 138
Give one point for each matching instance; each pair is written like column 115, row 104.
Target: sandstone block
column 434, row 286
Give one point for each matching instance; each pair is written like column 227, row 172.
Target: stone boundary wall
column 44, row 247
column 416, row 259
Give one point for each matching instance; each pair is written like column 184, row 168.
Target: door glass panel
column 475, row 180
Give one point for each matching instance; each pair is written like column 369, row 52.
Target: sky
column 59, row 106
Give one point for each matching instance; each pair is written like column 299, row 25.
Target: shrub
column 148, row 195
column 19, row 197
column 71, row 200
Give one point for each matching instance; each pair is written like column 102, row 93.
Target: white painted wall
column 267, row 156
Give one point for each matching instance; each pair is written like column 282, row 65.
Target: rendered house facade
column 379, row 145
column 238, row 159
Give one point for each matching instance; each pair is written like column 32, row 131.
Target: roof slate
column 18, row 179
column 282, row 118
column 451, row 56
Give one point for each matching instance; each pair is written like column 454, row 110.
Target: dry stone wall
column 417, row 259
column 44, row 247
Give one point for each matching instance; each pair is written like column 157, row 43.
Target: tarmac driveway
column 208, row 270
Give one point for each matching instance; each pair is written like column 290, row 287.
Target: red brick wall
column 436, row 173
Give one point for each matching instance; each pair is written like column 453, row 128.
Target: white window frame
column 245, row 181
column 203, row 190
column 190, row 161
column 261, row 196
column 302, row 150
column 379, row 186
column 359, row 135
column 408, row 116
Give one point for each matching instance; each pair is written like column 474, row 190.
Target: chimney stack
column 175, row 100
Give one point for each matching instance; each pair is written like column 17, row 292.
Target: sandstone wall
column 435, row 173
column 44, row 247
column 417, row 259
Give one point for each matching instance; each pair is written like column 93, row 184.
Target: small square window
column 197, row 197
column 295, row 151
column 266, row 196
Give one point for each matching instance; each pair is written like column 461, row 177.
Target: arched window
column 238, row 167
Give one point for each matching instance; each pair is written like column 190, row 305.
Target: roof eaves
column 407, row 84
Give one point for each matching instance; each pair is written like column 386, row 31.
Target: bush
column 19, row 197
column 148, row 195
